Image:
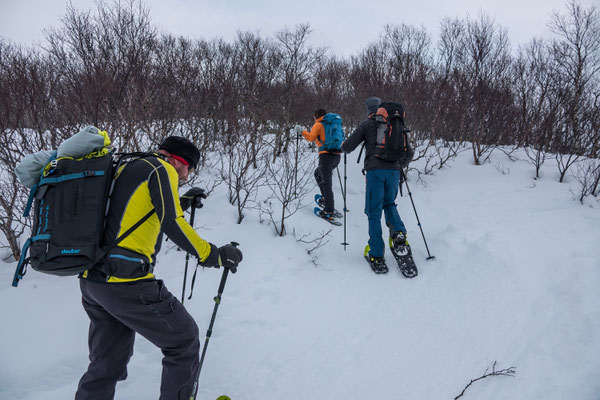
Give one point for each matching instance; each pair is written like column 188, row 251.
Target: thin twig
column 503, row 372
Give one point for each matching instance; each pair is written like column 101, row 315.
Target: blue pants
column 382, row 189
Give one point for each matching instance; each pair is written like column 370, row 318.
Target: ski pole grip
column 234, row 244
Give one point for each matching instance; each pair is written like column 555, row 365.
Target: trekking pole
column 296, row 166
column 342, row 187
column 217, row 300
column 417, row 215
column 345, row 243
column 187, row 256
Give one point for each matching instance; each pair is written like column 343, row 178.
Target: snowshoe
column 327, row 217
column 403, row 255
column 321, row 203
column 377, row 264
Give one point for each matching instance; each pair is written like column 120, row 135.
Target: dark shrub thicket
column 465, row 88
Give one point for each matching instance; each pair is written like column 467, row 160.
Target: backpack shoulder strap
column 128, row 232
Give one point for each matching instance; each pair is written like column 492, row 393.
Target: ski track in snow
column 515, row 280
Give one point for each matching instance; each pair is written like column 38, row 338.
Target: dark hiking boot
column 377, row 264
column 398, row 242
column 321, row 203
column 403, row 254
column 325, row 215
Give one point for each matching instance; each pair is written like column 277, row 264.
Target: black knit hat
column 183, row 148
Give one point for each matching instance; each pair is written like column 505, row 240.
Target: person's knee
column 374, row 208
column 195, row 338
column 192, row 331
column 109, row 369
column 185, row 345
column 389, row 207
column 317, row 176
column 192, row 341
column 374, row 214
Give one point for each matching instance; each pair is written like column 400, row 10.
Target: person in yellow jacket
column 122, row 296
column 328, row 161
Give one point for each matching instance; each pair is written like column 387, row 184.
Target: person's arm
column 356, row 138
column 316, row 131
column 163, row 184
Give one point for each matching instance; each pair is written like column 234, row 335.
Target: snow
column 515, row 280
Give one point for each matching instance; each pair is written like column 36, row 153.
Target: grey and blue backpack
column 69, row 199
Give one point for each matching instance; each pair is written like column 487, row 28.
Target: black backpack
column 392, row 139
column 70, row 202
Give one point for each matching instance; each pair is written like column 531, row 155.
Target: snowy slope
column 515, row 279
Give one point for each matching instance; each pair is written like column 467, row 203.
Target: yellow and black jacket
column 140, row 186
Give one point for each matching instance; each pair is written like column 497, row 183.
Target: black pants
column 117, row 312
column 323, row 174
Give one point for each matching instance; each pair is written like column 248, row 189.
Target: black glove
column 229, row 257
column 192, row 197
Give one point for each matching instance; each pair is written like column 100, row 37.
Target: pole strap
column 360, row 153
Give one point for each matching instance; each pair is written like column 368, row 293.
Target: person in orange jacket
column 328, row 161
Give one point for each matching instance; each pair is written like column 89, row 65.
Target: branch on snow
column 316, row 241
column 503, row 372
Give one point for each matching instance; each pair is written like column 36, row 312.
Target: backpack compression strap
column 22, row 264
column 46, row 181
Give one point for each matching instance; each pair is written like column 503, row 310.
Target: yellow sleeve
column 165, row 198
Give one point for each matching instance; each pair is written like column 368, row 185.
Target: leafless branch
column 503, row 372
column 315, row 241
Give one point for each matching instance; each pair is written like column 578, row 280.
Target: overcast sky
column 344, row 26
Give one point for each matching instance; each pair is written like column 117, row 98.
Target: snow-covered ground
column 515, row 279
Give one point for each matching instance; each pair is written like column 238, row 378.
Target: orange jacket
column 316, row 134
